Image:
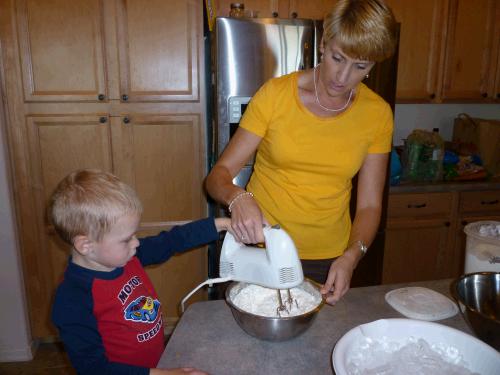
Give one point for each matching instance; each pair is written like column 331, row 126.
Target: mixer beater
column 289, row 301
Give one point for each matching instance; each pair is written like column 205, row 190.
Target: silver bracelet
column 362, row 247
column 238, row 196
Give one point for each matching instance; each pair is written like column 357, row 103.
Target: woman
column 313, row 131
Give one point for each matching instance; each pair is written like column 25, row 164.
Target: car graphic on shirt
column 142, row 309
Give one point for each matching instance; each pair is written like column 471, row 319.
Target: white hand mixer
column 276, row 266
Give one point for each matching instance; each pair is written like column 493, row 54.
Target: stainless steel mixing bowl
column 273, row 328
column 478, row 298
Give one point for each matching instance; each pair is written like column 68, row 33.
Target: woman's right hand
column 247, row 220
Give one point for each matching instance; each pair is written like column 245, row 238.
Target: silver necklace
column 317, row 97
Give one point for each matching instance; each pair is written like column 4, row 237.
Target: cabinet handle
column 275, row 14
column 447, row 223
column 484, row 95
column 489, row 202
column 498, row 95
column 464, row 222
column 101, row 97
column 126, row 120
column 103, row 119
column 432, row 96
column 422, row 205
column 124, row 97
column 294, row 14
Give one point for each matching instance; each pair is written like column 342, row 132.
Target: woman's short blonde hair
column 89, row 202
column 363, row 29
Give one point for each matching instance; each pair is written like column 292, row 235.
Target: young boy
column 106, row 308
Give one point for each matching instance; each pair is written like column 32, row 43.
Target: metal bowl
column 478, row 299
column 273, row 328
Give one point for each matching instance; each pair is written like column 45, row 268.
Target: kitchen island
column 207, row 336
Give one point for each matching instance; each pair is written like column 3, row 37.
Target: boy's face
column 116, row 247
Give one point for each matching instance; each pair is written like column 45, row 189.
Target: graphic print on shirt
column 142, row 309
column 128, row 288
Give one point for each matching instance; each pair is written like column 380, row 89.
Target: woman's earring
column 366, row 77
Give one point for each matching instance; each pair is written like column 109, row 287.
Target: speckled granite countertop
column 437, row 187
column 207, row 337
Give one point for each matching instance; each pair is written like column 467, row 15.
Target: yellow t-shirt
column 305, row 163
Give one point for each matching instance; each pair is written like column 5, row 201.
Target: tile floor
column 50, row 359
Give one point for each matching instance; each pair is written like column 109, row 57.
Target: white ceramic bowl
column 480, row 357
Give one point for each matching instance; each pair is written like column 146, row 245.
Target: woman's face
column 340, row 73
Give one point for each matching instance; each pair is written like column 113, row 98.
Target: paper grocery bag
column 484, row 134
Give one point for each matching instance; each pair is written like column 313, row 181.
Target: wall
column 15, row 338
column 429, row 116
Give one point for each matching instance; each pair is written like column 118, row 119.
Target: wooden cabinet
column 425, row 237
column 418, row 234
column 158, row 50
column 261, row 8
column 449, row 50
column 471, row 60
column 115, row 85
column 310, row 9
column 280, row 8
column 420, row 48
column 74, row 68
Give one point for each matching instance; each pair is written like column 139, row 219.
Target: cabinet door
column 158, row 46
column 420, row 44
column 61, row 48
column 161, row 156
column 416, row 250
column 470, row 51
column 57, row 145
column 310, row 9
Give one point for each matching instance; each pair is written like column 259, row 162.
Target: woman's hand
column 339, row 277
column 247, row 220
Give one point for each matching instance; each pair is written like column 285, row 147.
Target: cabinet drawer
column 480, row 201
column 419, row 204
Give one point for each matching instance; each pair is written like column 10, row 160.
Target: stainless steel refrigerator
column 246, row 53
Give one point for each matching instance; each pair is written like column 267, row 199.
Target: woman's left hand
column 339, row 278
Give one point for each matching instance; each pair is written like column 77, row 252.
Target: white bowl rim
column 341, row 347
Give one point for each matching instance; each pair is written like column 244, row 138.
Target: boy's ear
column 82, row 244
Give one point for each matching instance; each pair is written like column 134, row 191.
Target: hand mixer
column 276, row 266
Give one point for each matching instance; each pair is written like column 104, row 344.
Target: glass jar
column 237, row 10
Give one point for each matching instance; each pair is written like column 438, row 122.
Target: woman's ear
column 322, row 46
column 82, row 244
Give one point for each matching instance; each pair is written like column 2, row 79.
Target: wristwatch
column 362, row 247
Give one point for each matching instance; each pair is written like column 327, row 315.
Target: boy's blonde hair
column 89, row 202
column 363, row 29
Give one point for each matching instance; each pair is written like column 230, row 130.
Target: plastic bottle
column 423, row 156
column 437, row 155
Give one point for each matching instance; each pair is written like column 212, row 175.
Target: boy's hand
column 176, row 371
column 223, row 223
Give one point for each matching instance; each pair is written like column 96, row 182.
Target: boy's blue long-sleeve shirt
column 110, row 322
